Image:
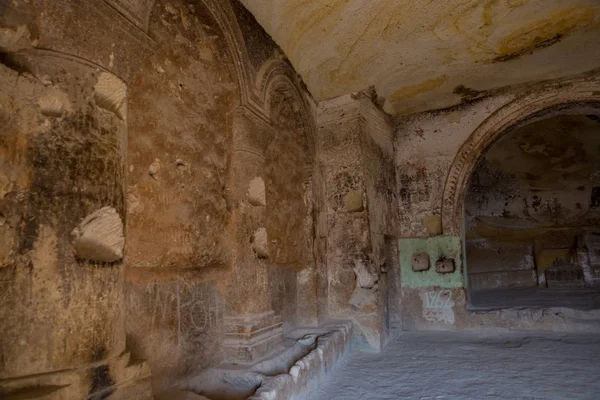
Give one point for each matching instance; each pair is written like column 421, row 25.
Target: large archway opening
column 532, row 216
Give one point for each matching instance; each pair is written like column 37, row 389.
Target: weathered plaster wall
column 428, row 55
column 195, row 272
column 354, row 141
column 92, row 31
column 181, row 107
column 438, row 247
column 425, row 147
column 428, row 147
column 428, row 285
column 533, row 184
column 290, row 197
column 220, row 214
column 54, row 147
column 64, row 148
column 63, row 153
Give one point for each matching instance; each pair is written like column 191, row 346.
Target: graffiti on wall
column 182, row 307
column 438, row 306
column 438, row 299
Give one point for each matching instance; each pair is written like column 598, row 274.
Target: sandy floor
column 443, row 365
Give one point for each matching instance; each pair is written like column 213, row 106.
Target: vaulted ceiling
column 425, row 54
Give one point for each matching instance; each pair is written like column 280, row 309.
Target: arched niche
column 566, row 97
column 579, row 97
column 182, row 103
column 532, row 221
column 289, row 160
column 291, row 193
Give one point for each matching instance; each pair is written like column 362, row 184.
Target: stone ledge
column 250, row 338
column 312, row 369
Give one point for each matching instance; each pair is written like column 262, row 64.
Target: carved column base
column 251, row 337
column 117, row 379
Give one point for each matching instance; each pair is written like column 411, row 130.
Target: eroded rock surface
column 99, row 236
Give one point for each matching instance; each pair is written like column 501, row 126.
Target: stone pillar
column 355, row 150
column 252, row 330
column 307, row 300
column 62, row 158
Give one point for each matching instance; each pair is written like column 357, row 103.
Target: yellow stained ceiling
column 417, row 53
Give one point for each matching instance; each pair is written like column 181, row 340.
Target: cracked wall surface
column 174, row 201
column 429, row 55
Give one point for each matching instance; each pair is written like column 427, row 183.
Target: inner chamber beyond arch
column 532, row 216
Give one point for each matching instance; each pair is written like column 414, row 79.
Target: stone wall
column 63, row 159
column 532, row 187
column 170, row 113
column 181, row 107
column 435, row 155
column 220, row 215
column 62, row 196
column 171, row 198
column 355, row 149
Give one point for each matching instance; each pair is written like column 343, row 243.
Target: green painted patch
column 437, row 247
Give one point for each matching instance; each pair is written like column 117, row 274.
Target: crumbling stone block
column 364, row 278
column 433, row 225
column 420, row 262
column 445, row 265
column 363, row 298
column 55, row 103
column 353, row 201
column 111, row 94
column 256, row 192
column 154, row 168
column 260, row 243
column 99, row 236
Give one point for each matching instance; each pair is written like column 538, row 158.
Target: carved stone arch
column 136, row 11
column 552, row 99
column 277, row 78
column 227, row 21
column 293, row 189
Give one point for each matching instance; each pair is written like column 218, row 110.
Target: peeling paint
column 436, row 247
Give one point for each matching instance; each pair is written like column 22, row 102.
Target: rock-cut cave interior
column 299, row 199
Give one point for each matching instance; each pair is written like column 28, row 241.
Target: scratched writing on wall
column 181, row 307
column 440, row 299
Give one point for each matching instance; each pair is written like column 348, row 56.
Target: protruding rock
column 433, row 225
column 362, row 298
column 111, row 94
column 99, row 236
column 256, row 192
column 353, row 201
column 260, row 243
column 420, row 262
column 154, row 168
column 444, row 265
column 12, row 40
column 55, row 103
column 364, row 278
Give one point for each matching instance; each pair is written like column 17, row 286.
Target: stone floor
column 450, row 365
column 580, row 299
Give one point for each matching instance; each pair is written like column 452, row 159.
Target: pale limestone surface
column 260, row 243
column 99, row 236
column 417, row 54
column 256, row 192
